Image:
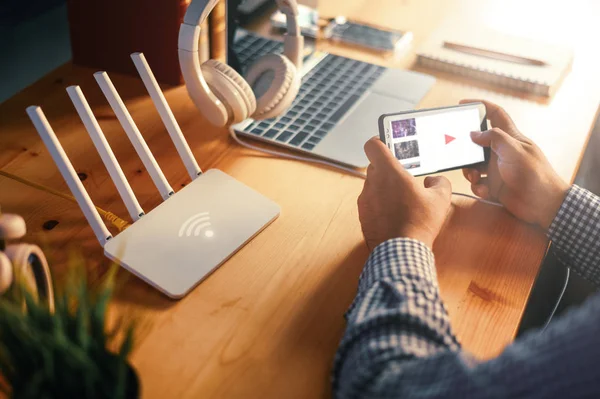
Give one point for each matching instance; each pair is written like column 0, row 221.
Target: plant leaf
column 64, row 354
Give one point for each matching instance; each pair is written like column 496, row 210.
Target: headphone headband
column 288, row 6
column 199, row 10
column 232, row 99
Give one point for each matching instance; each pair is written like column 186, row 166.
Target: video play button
column 449, row 139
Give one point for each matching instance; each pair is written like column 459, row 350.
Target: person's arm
column 398, row 342
column 575, row 233
column 521, row 178
column 396, row 317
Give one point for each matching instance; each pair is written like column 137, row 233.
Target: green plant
column 65, row 354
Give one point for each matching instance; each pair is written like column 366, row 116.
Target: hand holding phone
column 518, row 175
column 435, row 140
column 393, row 204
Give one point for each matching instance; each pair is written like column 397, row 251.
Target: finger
column 378, row 153
column 382, row 158
column 471, row 174
column 481, row 190
column 370, row 170
column 361, row 199
column 484, row 181
column 440, row 184
column 482, row 168
column 497, row 139
column 497, row 116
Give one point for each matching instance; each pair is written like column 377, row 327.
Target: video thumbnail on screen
column 404, row 128
column 407, row 149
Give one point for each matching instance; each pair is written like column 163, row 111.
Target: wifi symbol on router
column 195, row 225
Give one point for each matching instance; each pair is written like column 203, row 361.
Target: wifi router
column 181, row 241
column 185, row 238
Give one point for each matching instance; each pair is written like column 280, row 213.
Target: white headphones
column 23, row 260
column 220, row 93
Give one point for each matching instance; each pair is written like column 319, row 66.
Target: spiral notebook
column 542, row 77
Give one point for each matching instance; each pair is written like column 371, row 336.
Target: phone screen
column 430, row 141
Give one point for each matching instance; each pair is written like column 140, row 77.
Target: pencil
column 496, row 55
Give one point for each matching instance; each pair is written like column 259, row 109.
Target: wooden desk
column 267, row 323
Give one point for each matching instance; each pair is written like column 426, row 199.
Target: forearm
column 575, row 233
column 399, row 344
column 397, row 316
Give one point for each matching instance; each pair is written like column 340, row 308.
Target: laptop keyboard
column 327, row 93
column 251, row 47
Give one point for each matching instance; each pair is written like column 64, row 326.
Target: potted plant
column 65, row 350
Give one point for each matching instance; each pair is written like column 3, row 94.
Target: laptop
column 338, row 105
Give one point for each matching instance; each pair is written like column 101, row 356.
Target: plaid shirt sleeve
column 575, row 233
column 398, row 341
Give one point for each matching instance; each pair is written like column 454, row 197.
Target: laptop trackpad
column 346, row 141
column 407, row 85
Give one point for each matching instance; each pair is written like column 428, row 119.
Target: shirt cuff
column 399, row 258
column 575, row 233
column 579, row 210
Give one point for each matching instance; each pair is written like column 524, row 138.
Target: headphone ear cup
column 31, row 267
column 230, row 88
column 286, row 101
column 6, row 273
column 275, row 83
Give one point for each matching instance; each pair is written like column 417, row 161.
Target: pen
column 496, row 55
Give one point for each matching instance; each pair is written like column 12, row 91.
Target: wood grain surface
column 267, row 323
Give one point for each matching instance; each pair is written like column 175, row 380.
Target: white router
column 180, row 242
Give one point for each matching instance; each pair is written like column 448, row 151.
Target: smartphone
column 437, row 139
column 342, row 30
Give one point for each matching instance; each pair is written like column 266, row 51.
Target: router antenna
column 166, row 114
column 117, row 105
column 68, row 173
column 108, row 157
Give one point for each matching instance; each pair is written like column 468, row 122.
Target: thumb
column 439, row 183
column 496, row 138
column 497, row 116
